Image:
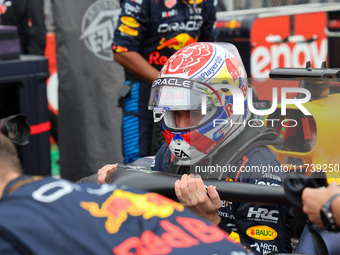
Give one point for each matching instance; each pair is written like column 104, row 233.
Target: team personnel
column 322, row 206
column 54, row 216
column 147, row 34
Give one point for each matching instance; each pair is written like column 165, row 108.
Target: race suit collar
column 19, row 182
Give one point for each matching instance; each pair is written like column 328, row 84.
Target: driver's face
column 185, row 119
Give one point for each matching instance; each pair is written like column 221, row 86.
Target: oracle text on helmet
column 172, row 82
column 238, row 101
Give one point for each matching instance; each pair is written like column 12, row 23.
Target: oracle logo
column 263, row 58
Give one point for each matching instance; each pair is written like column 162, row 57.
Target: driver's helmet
column 204, row 80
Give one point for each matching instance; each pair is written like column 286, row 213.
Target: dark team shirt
column 158, row 28
column 52, row 216
column 262, row 228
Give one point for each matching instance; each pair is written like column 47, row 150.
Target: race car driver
column 219, row 138
column 219, row 144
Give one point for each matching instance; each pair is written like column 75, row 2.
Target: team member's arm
column 314, row 199
column 335, row 207
column 136, row 65
column 131, row 27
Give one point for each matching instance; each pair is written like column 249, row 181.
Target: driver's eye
column 176, row 113
column 195, row 114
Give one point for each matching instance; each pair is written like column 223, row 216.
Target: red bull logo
column 183, row 232
column 231, row 24
column 121, row 203
column 192, row 1
column 173, row 96
column 177, row 42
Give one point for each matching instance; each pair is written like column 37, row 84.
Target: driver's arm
column 192, row 193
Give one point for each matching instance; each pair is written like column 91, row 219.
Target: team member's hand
column 191, row 192
column 102, row 172
column 314, row 199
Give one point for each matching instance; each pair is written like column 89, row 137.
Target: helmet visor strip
column 174, row 101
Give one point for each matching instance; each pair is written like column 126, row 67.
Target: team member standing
column 147, row 34
column 43, row 215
